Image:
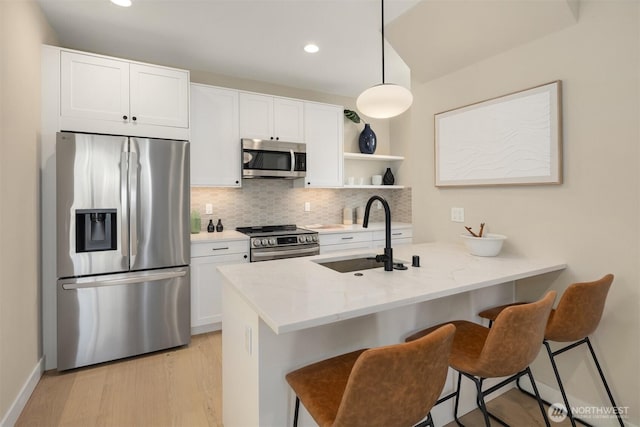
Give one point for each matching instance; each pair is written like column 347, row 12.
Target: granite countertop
column 298, row 293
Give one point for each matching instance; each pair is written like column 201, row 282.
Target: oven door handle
column 315, row 250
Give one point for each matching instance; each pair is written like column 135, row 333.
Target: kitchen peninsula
column 281, row 315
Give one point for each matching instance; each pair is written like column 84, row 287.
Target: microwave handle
column 293, row 160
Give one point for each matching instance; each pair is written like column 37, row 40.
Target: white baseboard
column 553, row 395
column 11, row 417
column 203, row 329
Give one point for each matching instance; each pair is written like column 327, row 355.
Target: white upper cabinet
column 94, row 87
column 268, row 117
column 324, row 137
column 159, row 96
column 215, row 139
column 109, row 95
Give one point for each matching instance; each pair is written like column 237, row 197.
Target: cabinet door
column 93, row 87
column 256, row 116
column 206, row 288
column 324, row 137
column 288, row 120
column 159, row 96
column 215, row 137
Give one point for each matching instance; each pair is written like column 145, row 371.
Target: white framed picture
column 509, row 140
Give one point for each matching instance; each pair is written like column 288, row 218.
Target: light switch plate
column 457, row 214
column 208, row 208
column 307, row 206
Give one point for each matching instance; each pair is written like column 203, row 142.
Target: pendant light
column 387, row 99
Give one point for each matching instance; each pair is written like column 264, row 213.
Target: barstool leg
column 606, row 386
column 560, row 385
column 295, row 412
column 538, row 398
column 480, row 398
column 455, row 409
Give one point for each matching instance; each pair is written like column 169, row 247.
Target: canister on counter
column 347, row 216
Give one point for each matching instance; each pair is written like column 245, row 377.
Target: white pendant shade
column 384, row 101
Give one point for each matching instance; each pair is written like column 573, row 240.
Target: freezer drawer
column 114, row 316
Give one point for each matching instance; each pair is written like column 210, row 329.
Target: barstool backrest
column 397, row 385
column 515, row 338
column 579, row 310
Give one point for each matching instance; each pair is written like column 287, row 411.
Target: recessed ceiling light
column 311, row 48
column 123, row 3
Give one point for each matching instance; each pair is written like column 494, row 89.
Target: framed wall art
column 509, row 140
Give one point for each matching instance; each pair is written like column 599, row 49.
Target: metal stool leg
column 606, row 386
column 295, row 413
column 455, row 409
column 538, row 398
column 560, row 385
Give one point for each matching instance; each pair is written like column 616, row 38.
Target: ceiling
column 263, row 39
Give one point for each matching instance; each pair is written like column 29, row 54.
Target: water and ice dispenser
column 96, row 230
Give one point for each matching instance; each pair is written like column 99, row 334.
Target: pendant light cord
column 382, row 21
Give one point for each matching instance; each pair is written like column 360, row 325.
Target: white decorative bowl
column 488, row 245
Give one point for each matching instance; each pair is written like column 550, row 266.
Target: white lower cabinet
column 403, row 236
column 334, row 242
column 206, row 282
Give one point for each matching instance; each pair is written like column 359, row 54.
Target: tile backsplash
column 271, row 202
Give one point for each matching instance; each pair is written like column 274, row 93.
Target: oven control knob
column 315, row 238
column 272, row 242
column 264, row 242
column 302, row 239
column 256, row 243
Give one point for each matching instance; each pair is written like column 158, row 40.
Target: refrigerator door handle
column 133, row 203
column 97, row 282
column 124, row 202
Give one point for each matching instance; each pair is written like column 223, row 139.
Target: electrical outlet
column 378, row 204
column 208, row 208
column 457, row 214
column 307, row 206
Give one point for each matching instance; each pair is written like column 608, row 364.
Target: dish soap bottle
column 210, row 227
column 195, row 222
column 219, row 226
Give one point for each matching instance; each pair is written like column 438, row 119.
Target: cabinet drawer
column 219, row 248
column 340, row 238
column 403, row 233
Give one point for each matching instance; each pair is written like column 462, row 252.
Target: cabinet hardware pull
column 347, row 238
column 124, row 117
column 220, row 249
column 396, row 234
column 134, row 118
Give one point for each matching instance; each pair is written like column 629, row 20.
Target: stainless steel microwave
column 273, row 159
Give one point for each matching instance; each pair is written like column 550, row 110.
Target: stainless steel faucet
column 387, row 257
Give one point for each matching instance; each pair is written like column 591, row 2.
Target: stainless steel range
column 280, row 241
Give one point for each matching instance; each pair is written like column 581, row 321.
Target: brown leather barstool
column 577, row 316
column 395, row 385
column 506, row 350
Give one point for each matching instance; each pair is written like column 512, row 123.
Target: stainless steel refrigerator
column 123, row 247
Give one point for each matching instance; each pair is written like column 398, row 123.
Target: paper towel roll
column 347, row 216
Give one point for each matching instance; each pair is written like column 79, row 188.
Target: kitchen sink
column 348, row 265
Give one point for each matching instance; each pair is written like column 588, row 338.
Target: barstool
column 577, row 316
column 505, row 350
column 395, row 385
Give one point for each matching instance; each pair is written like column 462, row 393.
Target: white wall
column 592, row 219
column 22, row 30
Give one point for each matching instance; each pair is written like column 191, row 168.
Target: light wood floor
column 181, row 387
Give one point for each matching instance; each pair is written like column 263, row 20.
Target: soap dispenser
column 210, row 227
column 219, row 226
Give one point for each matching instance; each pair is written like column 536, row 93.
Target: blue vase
column 367, row 141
